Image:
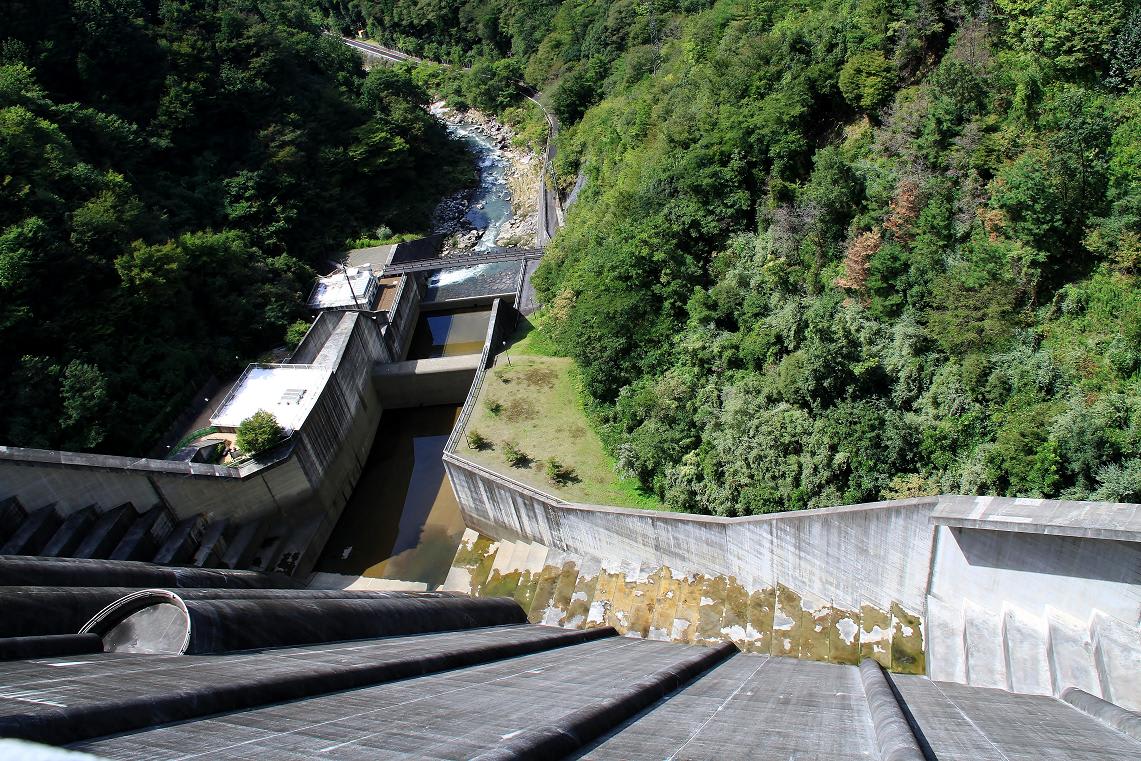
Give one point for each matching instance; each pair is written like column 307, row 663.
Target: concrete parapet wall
column 1071, row 575
column 315, row 338
column 402, row 318
column 71, row 481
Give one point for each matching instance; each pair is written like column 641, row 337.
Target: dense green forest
column 837, row 250
column 172, row 174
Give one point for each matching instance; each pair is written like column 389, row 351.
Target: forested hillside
column 838, row 250
column 172, row 173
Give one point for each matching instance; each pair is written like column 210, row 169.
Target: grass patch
column 541, row 415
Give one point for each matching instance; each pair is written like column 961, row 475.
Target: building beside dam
column 167, row 608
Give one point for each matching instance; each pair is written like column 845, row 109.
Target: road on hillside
column 550, row 212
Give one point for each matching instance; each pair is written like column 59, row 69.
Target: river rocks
column 449, row 214
column 508, row 174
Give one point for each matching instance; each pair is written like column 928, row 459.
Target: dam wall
column 1031, row 596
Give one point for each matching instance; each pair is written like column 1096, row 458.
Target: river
column 490, row 206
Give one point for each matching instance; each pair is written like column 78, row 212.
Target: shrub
column 559, row 474
column 494, row 406
column 294, row 333
column 259, row 432
column 515, row 456
column 477, row 441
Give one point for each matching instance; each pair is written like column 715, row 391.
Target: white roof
column 344, row 288
column 287, row 391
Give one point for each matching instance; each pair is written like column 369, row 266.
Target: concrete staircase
column 557, row 588
column 123, row 532
column 1034, row 652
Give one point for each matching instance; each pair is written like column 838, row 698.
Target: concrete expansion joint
column 578, row 728
column 894, row 735
column 1114, row 716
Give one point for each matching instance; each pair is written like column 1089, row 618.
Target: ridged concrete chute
column 27, row 570
column 156, row 690
column 584, row 725
column 1031, row 654
column 1125, row 722
column 228, row 625
column 49, row 646
column 33, row 611
column 894, row 736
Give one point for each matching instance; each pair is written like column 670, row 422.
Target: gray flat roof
column 1091, row 520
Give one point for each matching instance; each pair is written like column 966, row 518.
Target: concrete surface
column 644, row 600
column 1088, row 520
column 425, row 382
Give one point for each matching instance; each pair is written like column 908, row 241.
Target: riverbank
column 501, row 211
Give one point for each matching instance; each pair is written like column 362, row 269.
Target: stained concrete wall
column 860, row 554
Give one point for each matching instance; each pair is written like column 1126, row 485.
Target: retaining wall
column 876, row 554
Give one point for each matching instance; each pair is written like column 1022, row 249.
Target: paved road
column 550, row 212
column 378, row 50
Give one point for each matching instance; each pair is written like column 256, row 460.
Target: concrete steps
column 648, row 601
column 108, row 530
column 180, row 545
column 144, row 536
column 67, row 537
column 12, row 514
column 33, row 533
column 124, row 533
column 1034, row 652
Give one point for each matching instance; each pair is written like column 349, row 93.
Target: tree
column 258, row 432
column 492, row 85
column 867, row 80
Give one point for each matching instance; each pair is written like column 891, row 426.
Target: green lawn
column 541, row 413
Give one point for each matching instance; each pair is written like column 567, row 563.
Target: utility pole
column 349, row 280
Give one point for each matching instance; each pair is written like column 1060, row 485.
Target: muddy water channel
column 402, row 521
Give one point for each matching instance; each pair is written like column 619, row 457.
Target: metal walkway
column 456, row 262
